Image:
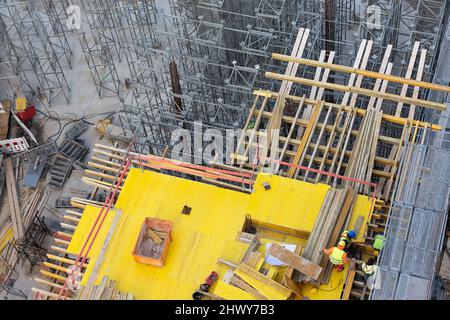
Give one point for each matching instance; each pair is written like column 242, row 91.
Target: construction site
column 279, row 149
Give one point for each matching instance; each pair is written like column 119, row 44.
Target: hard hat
column 341, row 244
column 352, row 234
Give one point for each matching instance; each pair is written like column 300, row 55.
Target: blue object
column 352, row 234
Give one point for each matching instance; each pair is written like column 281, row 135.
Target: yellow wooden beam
column 366, row 92
column 303, row 142
column 365, row 73
column 47, row 293
column 48, row 283
column 361, row 112
column 63, row 260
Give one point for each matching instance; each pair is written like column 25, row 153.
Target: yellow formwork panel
column 200, row 238
column 7, row 237
column 230, row 292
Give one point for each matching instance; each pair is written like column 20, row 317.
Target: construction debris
column 15, row 145
column 73, row 149
column 76, row 130
column 16, row 215
column 106, row 290
column 60, row 171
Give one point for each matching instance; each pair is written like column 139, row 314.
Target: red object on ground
column 211, row 278
column 28, row 114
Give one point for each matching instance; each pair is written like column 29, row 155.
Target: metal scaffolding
column 36, row 48
column 210, row 56
column 202, row 60
column 416, row 225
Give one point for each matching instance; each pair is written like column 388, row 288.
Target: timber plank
column 295, row 261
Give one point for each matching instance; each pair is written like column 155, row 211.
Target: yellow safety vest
column 336, row 257
column 346, row 239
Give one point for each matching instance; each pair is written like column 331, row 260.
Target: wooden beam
column 291, row 131
column 246, row 270
column 348, row 284
column 259, row 224
column 56, row 267
column 52, row 275
column 64, row 260
column 309, row 130
column 227, row 263
column 338, row 226
column 360, row 112
column 356, row 64
column 241, row 284
column 409, row 71
column 13, row 198
column 362, row 72
column 355, row 90
column 291, row 284
column 359, row 78
column 295, row 261
column 100, row 257
column 47, row 293
column 48, row 283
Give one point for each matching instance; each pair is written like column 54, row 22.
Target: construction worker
column 368, row 268
column 347, row 236
column 337, row 255
column 370, row 274
column 378, row 244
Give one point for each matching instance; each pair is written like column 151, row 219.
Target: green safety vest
column 336, row 257
column 378, row 244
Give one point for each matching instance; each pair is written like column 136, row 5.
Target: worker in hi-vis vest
column 347, row 236
column 371, row 274
column 337, row 255
column 369, row 268
column 378, row 244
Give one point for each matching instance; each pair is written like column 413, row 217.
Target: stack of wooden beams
column 248, row 274
column 327, row 228
column 31, row 206
column 107, row 163
column 23, row 211
column 106, row 290
column 254, row 283
column 55, row 270
column 13, row 199
column 362, row 159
